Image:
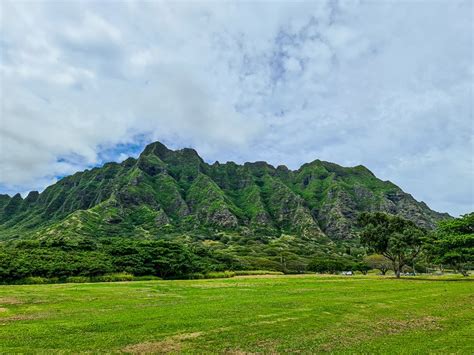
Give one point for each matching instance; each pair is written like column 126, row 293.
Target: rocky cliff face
column 165, row 191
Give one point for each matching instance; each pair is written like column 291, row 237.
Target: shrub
column 330, row 265
column 33, row 280
column 196, row 276
column 229, row 274
column 146, row 278
column 77, row 279
column 219, row 275
column 123, row 276
column 257, row 272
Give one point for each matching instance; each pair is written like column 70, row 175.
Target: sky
column 385, row 84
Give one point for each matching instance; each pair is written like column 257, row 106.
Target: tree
column 330, row 265
column 379, row 262
column 396, row 238
column 453, row 243
column 173, row 259
column 362, row 267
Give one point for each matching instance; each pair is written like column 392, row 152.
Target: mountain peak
column 189, row 153
column 156, row 148
column 177, row 189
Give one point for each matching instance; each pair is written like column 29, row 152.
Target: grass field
column 247, row 314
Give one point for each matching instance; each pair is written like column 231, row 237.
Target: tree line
column 390, row 243
column 401, row 242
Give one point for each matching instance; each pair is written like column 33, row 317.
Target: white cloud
column 382, row 84
column 91, row 29
column 292, row 65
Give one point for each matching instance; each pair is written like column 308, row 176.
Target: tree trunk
column 396, row 268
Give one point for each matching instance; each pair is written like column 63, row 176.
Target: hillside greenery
column 170, row 214
column 164, row 192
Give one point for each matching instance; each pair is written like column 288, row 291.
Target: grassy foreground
column 248, row 314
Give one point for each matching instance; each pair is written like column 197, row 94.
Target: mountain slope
column 166, row 191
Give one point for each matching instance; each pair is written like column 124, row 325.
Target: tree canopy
column 453, row 243
column 394, row 237
column 378, row 261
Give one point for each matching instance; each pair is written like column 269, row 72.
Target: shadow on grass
column 449, row 279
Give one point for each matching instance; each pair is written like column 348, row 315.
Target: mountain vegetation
column 169, row 213
column 165, row 191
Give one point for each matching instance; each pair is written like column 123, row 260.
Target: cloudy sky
column 381, row 83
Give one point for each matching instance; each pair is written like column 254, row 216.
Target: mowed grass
column 249, row 314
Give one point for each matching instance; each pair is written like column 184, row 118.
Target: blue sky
column 385, row 84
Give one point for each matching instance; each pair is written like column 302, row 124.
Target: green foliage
column 396, row 238
column 453, row 244
column 176, row 256
column 146, row 278
column 33, row 280
column 256, row 272
column 378, row 261
column 11, row 207
column 227, row 274
column 176, row 191
column 219, row 217
column 169, row 196
column 219, row 275
column 332, row 265
column 121, row 276
column 211, row 205
column 77, row 279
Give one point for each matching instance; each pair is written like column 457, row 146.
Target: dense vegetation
column 165, row 192
column 400, row 243
column 171, row 215
column 58, row 259
column 453, row 244
column 397, row 239
column 282, row 314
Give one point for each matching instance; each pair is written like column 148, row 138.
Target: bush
column 77, row 279
column 257, row 272
column 229, row 274
column 330, row 265
column 123, row 276
column 219, row 275
column 196, row 276
column 146, row 278
column 33, row 280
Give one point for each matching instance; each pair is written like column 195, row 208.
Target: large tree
column 396, row 238
column 453, row 243
column 377, row 261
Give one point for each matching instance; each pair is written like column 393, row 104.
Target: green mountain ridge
column 165, row 192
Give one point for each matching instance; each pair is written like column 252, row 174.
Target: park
column 247, row 314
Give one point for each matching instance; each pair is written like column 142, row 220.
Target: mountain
column 165, row 192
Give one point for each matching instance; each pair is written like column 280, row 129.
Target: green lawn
column 249, row 314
